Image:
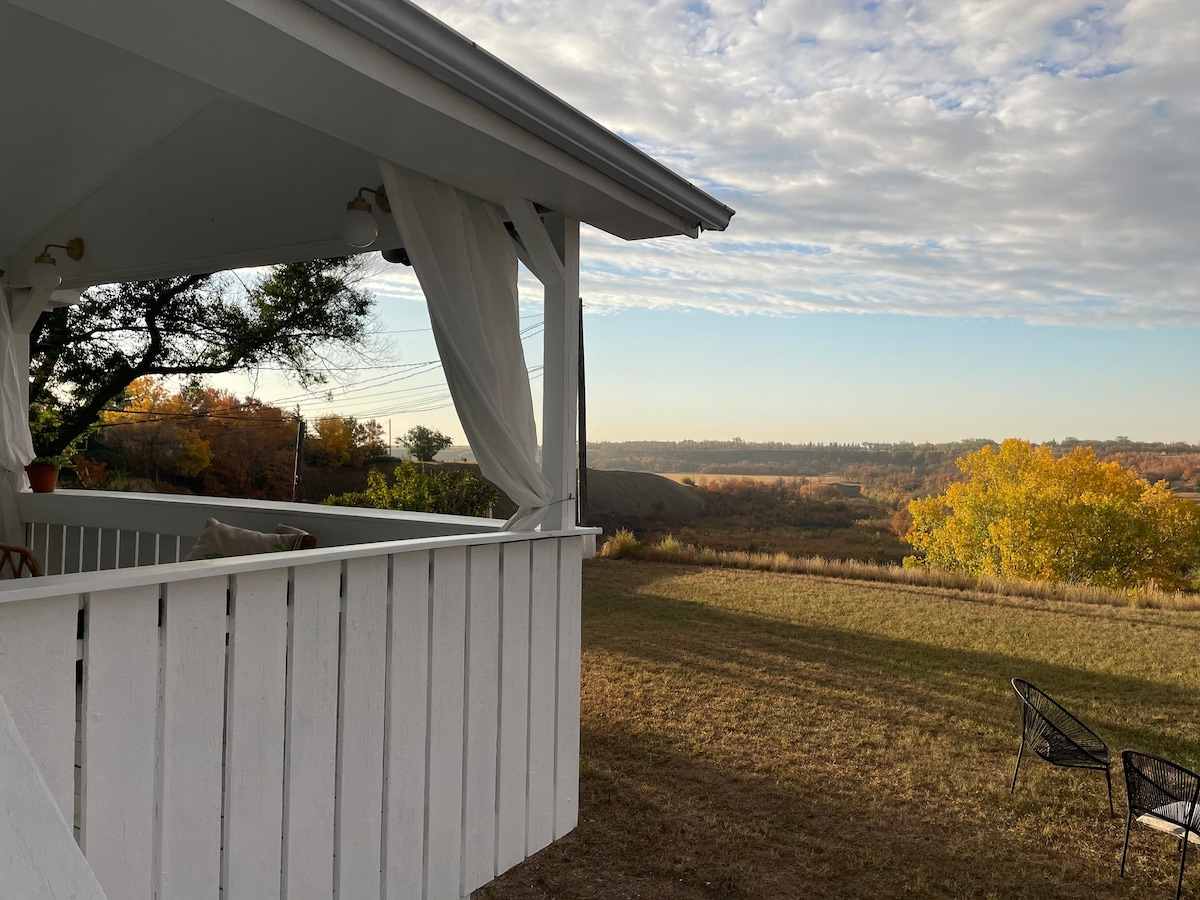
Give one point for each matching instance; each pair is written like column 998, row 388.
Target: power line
column 527, row 332
column 428, row 330
column 349, row 399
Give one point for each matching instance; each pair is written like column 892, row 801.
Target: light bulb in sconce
column 358, row 225
column 359, row 228
column 44, row 274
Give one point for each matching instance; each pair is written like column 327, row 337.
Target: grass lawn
column 757, row 735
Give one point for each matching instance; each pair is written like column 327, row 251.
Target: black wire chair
column 1057, row 736
column 1165, row 797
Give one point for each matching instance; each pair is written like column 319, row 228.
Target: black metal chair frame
column 1057, row 736
column 1159, row 789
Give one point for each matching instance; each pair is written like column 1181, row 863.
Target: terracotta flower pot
column 42, row 478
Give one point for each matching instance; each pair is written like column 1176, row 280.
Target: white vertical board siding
column 483, row 671
column 37, row 681
column 41, row 858
column 407, row 727
column 193, row 690
column 120, row 723
column 566, row 754
column 254, row 736
column 543, row 670
column 360, row 729
column 311, row 732
column 513, row 760
column 444, row 791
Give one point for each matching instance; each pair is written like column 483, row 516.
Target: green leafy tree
column 1022, row 513
column 424, row 443
column 82, row 358
column 370, row 437
column 414, row 488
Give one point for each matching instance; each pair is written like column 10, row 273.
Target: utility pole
column 299, row 454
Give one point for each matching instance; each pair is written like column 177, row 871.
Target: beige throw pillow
column 219, row 540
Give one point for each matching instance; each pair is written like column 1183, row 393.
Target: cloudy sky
column 955, row 218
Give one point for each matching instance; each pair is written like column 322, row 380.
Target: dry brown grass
column 692, row 477
column 770, row 736
column 867, row 540
column 624, row 545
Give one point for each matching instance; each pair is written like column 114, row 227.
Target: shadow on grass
column 732, row 755
column 657, row 823
column 919, row 675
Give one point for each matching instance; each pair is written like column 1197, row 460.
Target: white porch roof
column 199, row 135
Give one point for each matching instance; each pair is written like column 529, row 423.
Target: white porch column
column 560, row 375
column 26, row 305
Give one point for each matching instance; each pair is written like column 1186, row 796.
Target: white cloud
column 1029, row 158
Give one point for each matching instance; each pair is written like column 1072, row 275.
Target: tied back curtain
column 16, row 446
column 467, row 268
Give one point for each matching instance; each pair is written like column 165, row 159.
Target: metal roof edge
column 424, row 41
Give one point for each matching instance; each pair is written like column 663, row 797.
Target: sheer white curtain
column 467, row 267
column 16, row 446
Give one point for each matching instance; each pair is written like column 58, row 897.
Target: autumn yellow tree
column 152, row 431
column 333, row 443
column 1022, row 513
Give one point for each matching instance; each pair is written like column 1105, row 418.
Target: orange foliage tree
column 203, row 437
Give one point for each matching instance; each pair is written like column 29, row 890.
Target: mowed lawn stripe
column 762, row 735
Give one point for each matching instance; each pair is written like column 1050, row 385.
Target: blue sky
column 969, row 218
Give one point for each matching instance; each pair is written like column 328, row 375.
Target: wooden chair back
column 18, row 562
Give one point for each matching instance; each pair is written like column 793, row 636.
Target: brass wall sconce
column 44, row 272
column 359, row 228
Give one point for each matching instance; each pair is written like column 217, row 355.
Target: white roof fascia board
column 436, row 49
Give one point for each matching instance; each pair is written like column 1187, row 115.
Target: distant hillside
column 618, row 498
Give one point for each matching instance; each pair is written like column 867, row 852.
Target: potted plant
column 45, row 423
column 43, row 473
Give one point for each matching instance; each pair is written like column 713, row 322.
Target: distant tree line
column 894, row 472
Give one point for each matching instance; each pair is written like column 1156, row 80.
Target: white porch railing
column 395, row 719
column 89, row 531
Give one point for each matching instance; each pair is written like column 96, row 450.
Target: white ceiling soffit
column 429, row 44
column 182, row 136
